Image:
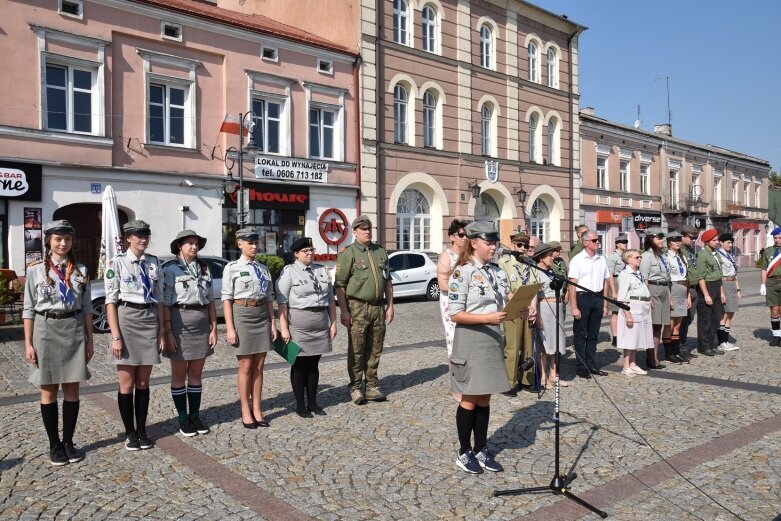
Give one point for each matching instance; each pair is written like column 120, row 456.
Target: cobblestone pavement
column 717, row 420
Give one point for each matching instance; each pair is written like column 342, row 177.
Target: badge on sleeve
column 453, row 287
column 109, row 274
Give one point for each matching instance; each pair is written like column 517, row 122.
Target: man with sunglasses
column 615, row 265
column 589, row 269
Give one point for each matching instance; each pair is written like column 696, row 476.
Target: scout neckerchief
column 681, row 269
column 261, row 278
column 315, row 282
column 638, row 275
column 494, row 286
column 729, row 257
column 775, row 261
column 149, row 290
column 524, row 278
column 664, row 263
column 66, row 293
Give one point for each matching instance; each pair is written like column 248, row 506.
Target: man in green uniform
column 518, row 338
column 710, row 293
column 771, row 284
column 577, row 244
column 362, row 280
column 688, row 236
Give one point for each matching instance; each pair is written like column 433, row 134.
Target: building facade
column 134, row 94
column 634, row 179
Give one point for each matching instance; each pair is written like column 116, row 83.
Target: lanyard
column 66, row 293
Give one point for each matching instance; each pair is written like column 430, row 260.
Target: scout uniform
column 615, row 265
column 708, row 317
column 363, row 273
column 518, row 346
column 57, row 299
column 771, row 284
column 307, row 292
column 247, row 284
column 656, row 272
column 691, row 278
column 730, row 284
column 559, row 267
column 633, row 290
column 679, row 277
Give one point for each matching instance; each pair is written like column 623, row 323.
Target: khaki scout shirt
column 655, row 267
column 517, row 273
column 243, row 279
column 362, row 271
column 301, row 286
column 123, row 279
column 615, row 264
column 708, row 266
column 40, row 295
column 677, row 263
column 729, row 268
column 631, row 284
column 764, row 261
column 187, row 285
column 691, row 266
column 471, row 288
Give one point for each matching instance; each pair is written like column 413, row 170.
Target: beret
column 709, row 235
column 300, row 243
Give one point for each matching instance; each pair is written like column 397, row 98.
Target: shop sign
column 644, row 221
column 333, row 226
column 273, row 168
column 20, row 181
column 611, row 216
column 698, row 222
column 271, row 196
column 745, row 226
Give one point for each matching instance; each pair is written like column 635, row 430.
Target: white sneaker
column 636, row 369
column 627, row 371
column 729, row 346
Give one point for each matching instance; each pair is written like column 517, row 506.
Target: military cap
column 709, row 235
column 300, row 243
column 176, row 243
column 654, row 232
column 59, row 227
column 674, row 236
column 542, row 250
column 362, row 220
column 519, row 237
column 137, row 227
column 727, row 236
column 556, row 245
column 622, row 238
column 690, row 231
column 247, row 234
column 482, row 230
column 776, row 231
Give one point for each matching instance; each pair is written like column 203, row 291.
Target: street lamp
column 230, row 183
column 475, row 187
column 521, row 195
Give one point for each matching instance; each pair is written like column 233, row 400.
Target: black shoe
column 691, row 355
column 74, row 455
column 512, row 393
column 775, row 341
column 317, row 410
column 718, row 351
column 260, row 423
column 57, row 456
column 708, row 352
column 583, row 373
column 144, row 441
column 657, row 366
column 251, row 425
column 187, row 428
column 676, row 359
column 201, row 427
column 598, row 372
column 613, row 343
column 304, row 413
column 131, row 442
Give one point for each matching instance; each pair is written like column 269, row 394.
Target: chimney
column 588, row 111
column 664, row 128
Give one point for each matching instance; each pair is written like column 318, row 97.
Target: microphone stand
column 559, row 485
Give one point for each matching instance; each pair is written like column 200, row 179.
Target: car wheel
column 432, row 291
column 99, row 316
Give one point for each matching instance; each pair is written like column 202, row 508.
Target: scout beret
column 542, row 250
column 688, row 230
column 726, row 237
column 137, row 227
column 556, row 245
column 300, row 243
column 654, row 232
column 59, row 227
column 483, row 230
column 519, row 237
column 674, row 236
column 622, row 238
column 709, row 235
column 247, row 234
column 776, row 231
column 362, row 220
column 176, row 243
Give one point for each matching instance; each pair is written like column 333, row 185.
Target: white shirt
column 589, row 272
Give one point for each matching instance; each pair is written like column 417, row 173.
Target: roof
column 251, row 22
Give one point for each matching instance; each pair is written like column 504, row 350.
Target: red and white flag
column 232, row 125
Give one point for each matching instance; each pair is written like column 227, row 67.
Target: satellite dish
column 637, row 123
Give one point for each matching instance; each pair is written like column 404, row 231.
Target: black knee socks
column 142, row 408
column 298, row 381
column 125, row 402
column 482, row 414
column 70, row 413
column 721, row 335
column 465, row 422
column 194, row 400
column 179, row 395
column 50, row 416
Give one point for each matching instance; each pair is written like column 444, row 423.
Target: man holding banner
column 771, row 284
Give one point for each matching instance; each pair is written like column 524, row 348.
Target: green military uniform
column 363, row 272
column 576, row 248
column 708, row 317
column 518, row 336
column 773, row 284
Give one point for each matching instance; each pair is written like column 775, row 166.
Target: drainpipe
column 358, row 140
column 571, row 136
column 380, row 97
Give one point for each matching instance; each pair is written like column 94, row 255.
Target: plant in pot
column 8, row 295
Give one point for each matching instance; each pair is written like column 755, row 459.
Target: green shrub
column 7, row 293
column 274, row 263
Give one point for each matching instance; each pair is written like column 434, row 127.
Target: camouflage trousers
column 517, row 348
column 365, row 338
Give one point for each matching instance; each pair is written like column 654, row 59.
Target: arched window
column 540, row 220
column 400, row 99
column 429, row 119
column 533, row 63
column 553, row 142
column 553, row 68
column 485, row 129
column 533, row 144
column 429, row 22
column 486, row 47
column 400, row 19
column 413, row 221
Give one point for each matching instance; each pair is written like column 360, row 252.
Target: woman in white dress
column 635, row 328
column 445, row 265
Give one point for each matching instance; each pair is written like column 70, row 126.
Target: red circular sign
column 333, row 226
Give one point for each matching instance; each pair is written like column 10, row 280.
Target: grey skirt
column 61, row 348
column 191, row 330
column 477, row 363
column 660, row 310
column 309, row 329
column 680, row 295
column 547, row 335
column 731, row 292
column 252, row 328
column 138, row 328
column 641, row 334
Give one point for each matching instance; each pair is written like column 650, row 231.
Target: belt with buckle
column 249, row 302
column 371, row 303
column 657, row 283
column 59, row 315
column 134, row 305
column 315, row 309
column 731, row 279
column 641, row 299
column 188, row 307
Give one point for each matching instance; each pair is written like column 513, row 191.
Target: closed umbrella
column 111, row 237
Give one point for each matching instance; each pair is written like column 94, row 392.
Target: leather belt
column 731, row 279
column 315, row 309
column 58, row 315
column 134, row 305
column 681, row 282
column 249, row 303
column 641, row 299
column 188, row 307
column 371, row 303
column 551, row 299
column 657, row 283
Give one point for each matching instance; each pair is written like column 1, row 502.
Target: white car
column 414, row 273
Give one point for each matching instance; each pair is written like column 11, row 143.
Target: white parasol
column 111, row 236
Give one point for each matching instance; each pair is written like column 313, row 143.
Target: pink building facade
column 133, row 94
column 634, row 178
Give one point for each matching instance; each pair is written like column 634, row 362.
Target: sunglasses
column 622, row 242
column 461, row 234
column 594, row 240
column 522, row 244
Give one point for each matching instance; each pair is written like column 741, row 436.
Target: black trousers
column 586, row 328
column 708, row 317
column 689, row 318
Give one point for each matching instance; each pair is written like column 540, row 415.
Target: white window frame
column 274, row 51
column 554, row 139
column 487, row 47
column 623, row 175
column 77, row 3
column 533, row 50
column 263, row 119
column 178, row 27
column 430, row 29
column 402, row 29
column 418, row 223
column 674, row 189
column 430, row 130
column 695, row 184
column 70, row 65
column 757, row 194
column 645, row 174
column 325, row 66
column 534, row 137
column 553, row 67
column 717, row 190
column 486, row 114
column 602, row 177
column 168, row 84
column 401, row 114
column 539, row 221
column 338, row 143
column 746, row 201
column 734, row 192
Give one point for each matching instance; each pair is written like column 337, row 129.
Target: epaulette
column 35, row 263
column 343, row 248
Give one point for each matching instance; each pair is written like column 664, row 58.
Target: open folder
column 287, row 351
column 521, row 300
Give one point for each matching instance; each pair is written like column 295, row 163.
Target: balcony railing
column 728, row 207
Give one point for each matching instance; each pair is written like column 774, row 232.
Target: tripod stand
column 559, row 485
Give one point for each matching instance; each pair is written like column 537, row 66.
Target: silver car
column 100, row 320
column 414, row 274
